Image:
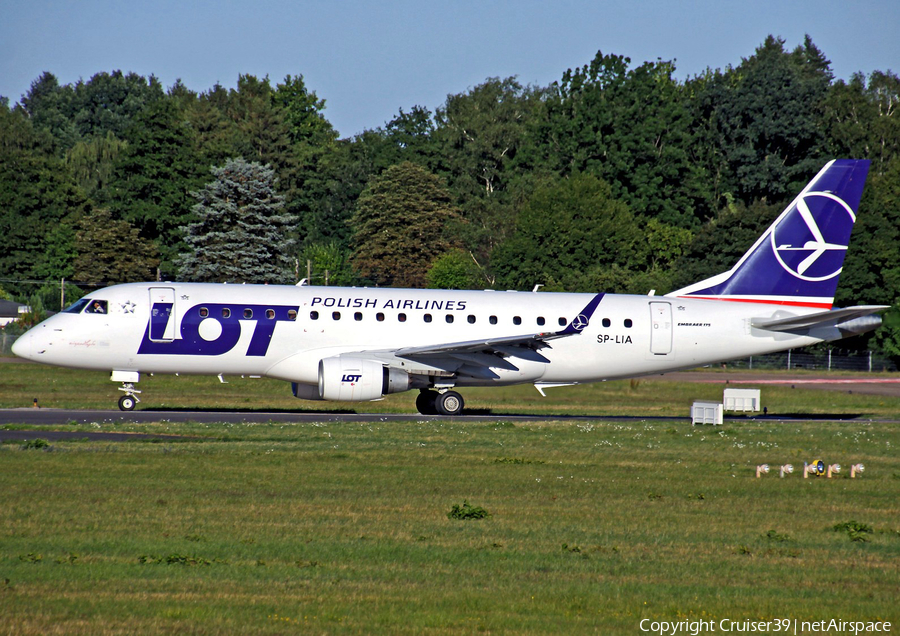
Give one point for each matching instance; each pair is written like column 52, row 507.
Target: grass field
column 21, row 384
column 344, row 527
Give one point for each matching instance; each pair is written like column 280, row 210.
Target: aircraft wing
column 477, row 357
column 833, row 318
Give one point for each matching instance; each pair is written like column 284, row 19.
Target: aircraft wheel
column 127, row 403
column 425, row 402
column 449, row 403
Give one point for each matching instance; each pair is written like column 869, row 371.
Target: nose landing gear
column 128, row 401
column 431, row 402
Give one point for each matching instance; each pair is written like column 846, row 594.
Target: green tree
column 400, row 225
column 49, row 106
column 887, row 337
column 478, row 135
column 302, row 112
column 863, row 118
column 92, row 163
column 718, row 245
column 154, row 177
column 37, row 200
column 455, row 269
column 214, row 132
column 871, row 273
column 109, row 102
column 261, row 133
column 632, row 128
column 568, row 231
column 330, row 177
column 327, row 264
column 241, row 232
column 111, row 251
column 764, row 120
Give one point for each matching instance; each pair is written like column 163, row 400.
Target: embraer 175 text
column 360, row 344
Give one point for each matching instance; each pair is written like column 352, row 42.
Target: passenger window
column 204, row 312
column 562, row 321
column 292, row 314
column 517, row 320
column 606, row 322
column 270, row 314
column 96, row 307
column 248, row 313
column 628, row 323
column 427, row 317
column 226, row 312
column 540, row 321
column 335, row 315
column 357, row 316
column 379, row 317
column 493, row 320
column 471, row 319
column 314, row 315
column 449, row 318
column 401, row 317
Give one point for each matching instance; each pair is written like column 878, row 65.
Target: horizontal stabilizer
column 821, row 319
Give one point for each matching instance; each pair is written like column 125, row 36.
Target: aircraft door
column 162, row 314
column 661, row 328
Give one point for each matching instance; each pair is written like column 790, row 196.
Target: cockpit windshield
column 96, row 307
column 88, row 306
column 77, row 306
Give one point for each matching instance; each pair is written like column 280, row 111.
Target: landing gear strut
column 444, row 403
column 128, row 401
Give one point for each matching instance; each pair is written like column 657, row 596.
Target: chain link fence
column 6, row 343
column 831, row 360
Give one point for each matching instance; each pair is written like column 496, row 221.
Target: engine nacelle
column 348, row 379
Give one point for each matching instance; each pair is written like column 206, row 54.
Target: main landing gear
column 439, row 403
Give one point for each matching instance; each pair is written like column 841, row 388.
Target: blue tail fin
column 798, row 260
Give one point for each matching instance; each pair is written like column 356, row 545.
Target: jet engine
column 344, row 378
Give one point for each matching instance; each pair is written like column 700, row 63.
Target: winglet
column 582, row 319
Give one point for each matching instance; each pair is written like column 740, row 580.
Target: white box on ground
column 706, row 413
column 742, row 399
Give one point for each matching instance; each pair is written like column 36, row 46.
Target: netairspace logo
column 782, row 625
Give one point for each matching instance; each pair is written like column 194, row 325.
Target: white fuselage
column 210, row 330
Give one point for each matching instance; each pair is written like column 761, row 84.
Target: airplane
column 360, row 344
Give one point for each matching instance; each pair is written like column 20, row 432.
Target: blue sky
column 369, row 59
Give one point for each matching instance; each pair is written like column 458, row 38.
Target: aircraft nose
column 22, row 346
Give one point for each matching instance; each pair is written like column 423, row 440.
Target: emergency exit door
column 661, row 328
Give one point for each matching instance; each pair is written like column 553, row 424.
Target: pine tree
column 241, row 235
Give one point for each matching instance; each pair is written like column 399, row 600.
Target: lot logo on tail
column 800, row 245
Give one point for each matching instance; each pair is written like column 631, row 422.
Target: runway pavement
column 42, row 416
column 54, row 419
